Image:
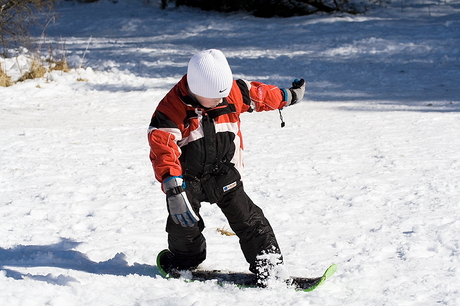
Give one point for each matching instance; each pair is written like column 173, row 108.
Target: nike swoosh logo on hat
column 221, row 91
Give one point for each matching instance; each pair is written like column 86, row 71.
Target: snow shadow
column 61, row 255
column 392, row 60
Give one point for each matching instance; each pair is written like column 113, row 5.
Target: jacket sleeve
column 163, row 136
column 261, row 97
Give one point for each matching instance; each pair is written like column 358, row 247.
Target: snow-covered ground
column 365, row 174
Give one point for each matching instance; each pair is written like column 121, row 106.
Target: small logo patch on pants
column 229, row 186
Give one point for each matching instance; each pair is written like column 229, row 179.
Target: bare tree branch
column 17, row 17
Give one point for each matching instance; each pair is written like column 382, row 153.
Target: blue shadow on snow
column 61, row 255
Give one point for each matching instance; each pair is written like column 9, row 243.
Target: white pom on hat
column 209, row 75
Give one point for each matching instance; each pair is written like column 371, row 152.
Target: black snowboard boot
column 165, row 264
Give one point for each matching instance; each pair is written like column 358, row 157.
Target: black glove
column 295, row 93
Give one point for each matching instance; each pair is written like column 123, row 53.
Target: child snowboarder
column 196, row 151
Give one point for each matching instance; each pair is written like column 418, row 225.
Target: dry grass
column 40, row 67
column 5, row 80
column 37, row 70
column 57, row 58
column 225, row 232
column 60, row 66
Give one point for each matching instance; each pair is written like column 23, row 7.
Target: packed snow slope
column 365, row 174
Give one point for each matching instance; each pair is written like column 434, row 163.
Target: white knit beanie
column 209, row 74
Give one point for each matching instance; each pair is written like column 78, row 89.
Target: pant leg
column 187, row 243
column 251, row 226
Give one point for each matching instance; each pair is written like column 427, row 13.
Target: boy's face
column 208, row 102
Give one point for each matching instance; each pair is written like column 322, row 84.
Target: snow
column 365, row 174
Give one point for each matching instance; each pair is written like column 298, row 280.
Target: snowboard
column 249, row 280
column 246, row 279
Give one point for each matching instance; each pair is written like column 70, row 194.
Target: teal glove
column 295, row 93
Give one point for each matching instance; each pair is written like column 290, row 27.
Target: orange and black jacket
column 187, row 139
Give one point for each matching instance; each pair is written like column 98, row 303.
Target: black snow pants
column 246, row 219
